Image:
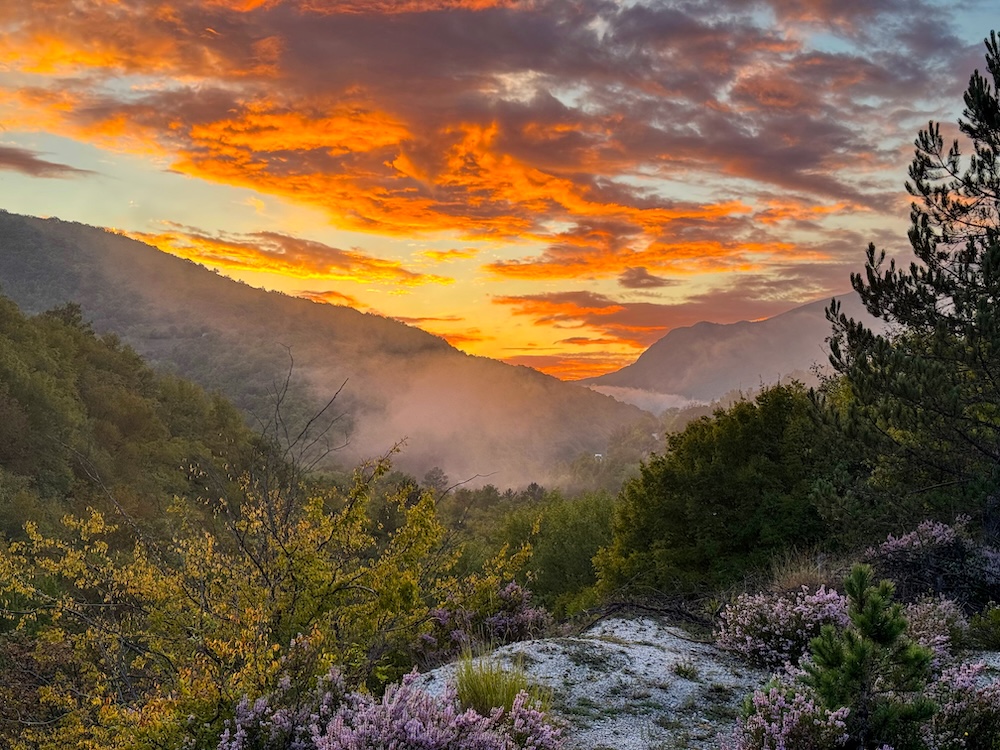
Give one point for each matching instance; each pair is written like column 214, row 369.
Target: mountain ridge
column 705, row 361
column 469, row 415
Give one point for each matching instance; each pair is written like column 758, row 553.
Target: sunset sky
column 551, row 183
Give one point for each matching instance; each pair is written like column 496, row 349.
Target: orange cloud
column 625, row 325
column 778, row 211
column 330, row 297
column 444, row 256
column 390, row 7
column 271, row 252
column 567, row 305
column 567, row 367
column 461, row 339
column 699, row 256
column 264, row 127
column 457, row 338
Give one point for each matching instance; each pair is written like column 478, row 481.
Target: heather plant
column 939, row 559
column 783, row 715
column 968, row 712
column 772, row 629
column 484, row 619
column 405, row 717
column 939, row 624
column 869, row 686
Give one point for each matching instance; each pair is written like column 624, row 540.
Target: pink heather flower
column 774, row 629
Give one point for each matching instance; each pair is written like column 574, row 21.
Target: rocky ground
column 632, row 684
column 636, row 683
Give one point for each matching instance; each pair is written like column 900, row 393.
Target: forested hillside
column 469, row 415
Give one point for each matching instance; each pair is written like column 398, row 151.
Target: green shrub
column 984, row 628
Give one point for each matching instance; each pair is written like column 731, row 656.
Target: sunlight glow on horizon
column 559, row 190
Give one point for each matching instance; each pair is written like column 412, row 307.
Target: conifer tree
column 929, row 388
column 872, row 668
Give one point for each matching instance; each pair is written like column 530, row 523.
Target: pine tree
column 929, row 388
column 872, row 668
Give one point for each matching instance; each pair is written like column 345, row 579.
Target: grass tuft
column 484, row 684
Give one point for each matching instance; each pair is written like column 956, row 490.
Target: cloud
column 330, row 297
column 441, row 326
column 640, row 278
column 393, row 7
column 571, row 367
column 280, row 253
column 646, row 142
column 445, row 256
column 461, row 339
column 420, row 321
column 347, row 106
column 627, row 326
column 30, row 163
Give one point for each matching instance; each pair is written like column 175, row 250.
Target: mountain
column 706, row 361
column 468, row 415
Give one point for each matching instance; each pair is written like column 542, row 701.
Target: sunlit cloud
column 626, row 326
column 735, row 145
column 278, row 253
column 462, row 339
column 331, row 297
column 571, row 366
column 443, row 326
column 401, row 6
column 423, row 320
column 445, row 256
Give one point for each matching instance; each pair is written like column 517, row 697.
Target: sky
column 551, row 183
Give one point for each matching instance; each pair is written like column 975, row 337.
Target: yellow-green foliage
column 177, row 630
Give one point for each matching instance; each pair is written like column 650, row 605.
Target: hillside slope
column 468, row 415
column 707, row 360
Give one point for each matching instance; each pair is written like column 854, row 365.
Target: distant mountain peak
column 705, row 361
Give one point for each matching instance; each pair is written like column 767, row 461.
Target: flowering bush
column 936, row 623
column 405, row 718
column 783, row 717
column 936, row 558
column 773, row 629
column 282, row 720
column 869, row 685
column 968, row 714
column 508, row 617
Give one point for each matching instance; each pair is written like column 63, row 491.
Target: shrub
column 867, row 685
column 984, row 628
column 782, row 716
column 968, row 713
column 507, row 617
column 939, row 559
column 404, row 717
column 772, row 629
column 939, row 624
column 871, row 667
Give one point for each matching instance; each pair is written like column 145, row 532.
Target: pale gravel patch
column 632, row 684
